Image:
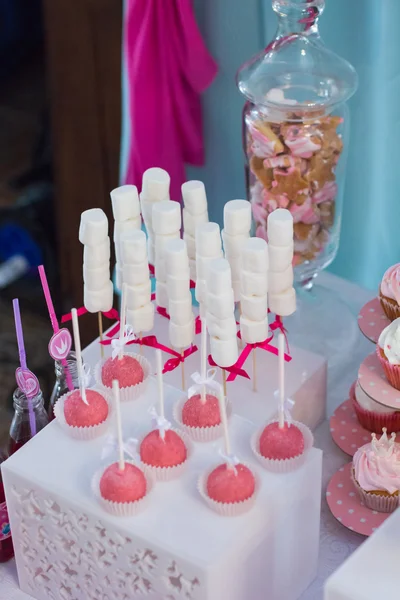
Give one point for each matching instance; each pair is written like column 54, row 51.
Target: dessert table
column 336, row 542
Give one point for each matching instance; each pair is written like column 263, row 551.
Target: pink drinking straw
column 22, row 360
column 54, row 321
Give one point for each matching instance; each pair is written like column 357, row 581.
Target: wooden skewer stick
column 183, row 370
column 224, row 383
column 254, row 371
column 100, row 321
column 140, row 345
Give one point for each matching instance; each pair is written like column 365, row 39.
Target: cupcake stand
column 176, row 548
column 349, row 435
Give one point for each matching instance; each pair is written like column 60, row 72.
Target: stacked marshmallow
column 220, row 315
column 126, row 211
column 237, row 225
column 195, row 213
column 181, row 324
column 155, row 188
column 253, row 297
column 166, row 222
column 281, row 293
column 136, row 276
column 208, row 248
column 97, row 286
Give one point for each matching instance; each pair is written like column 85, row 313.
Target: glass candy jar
column 295, row 133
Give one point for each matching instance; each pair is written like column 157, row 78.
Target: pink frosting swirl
column 390, row 284
column 377, row 466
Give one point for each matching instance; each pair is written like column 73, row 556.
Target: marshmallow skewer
column 281, row 362
column 78, row 352
column 126, row 211
column 117, row 404
column 281, row 293
column 220, row 315
column 195, row 213
column 155, row 188
column 166, row 220
column 98, row 288
column 237, row 225
column 254, row 302
column 181, row 325
column 208, row 248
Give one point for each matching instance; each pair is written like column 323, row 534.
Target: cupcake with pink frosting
column 388, row 351
column 376, row 473
column 389, row 292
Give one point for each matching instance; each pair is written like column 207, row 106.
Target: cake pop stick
column 120, row 440
column 160, row 387
column 224, row 421
column 55, row 326
column 30, row 391
column 100, row 322
column 203, row 357
column 77, row 343
column 122, row 320
column 183, row 369
column 281, row 363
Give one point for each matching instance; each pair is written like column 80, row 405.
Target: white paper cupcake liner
column 127, row 393
column 283, row 465
column 168, row 473
column 378, row 502
column 82, row 433
column 200, row 434
column 233, row 509
column 121, row 509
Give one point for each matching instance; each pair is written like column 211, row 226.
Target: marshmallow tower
column 254, row 286
column 220, row 315
column 281, row 293
column 181, row 325
column 237, row 225
column 208, row 248
column 166, row 222
column 136, row 277
column 126, row 211
column 97, row 287
column 195, row 213
column 155, row 188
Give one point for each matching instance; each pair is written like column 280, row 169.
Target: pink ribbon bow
column 150, row 340
column 234, row 369
column 173, row 363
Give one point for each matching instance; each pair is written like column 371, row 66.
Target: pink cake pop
column 196, row 413
column 228, row 484
column 157, row 451
column 281, row 443
column 127, row 485
column 79, row 414
column 126, row 370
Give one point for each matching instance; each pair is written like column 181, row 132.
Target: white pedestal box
column 306, row 380
column 68, row 548
column 372, row 571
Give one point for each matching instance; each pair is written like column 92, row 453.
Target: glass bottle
column 6, row 546
column 295, row 133
column 61, row 387
column 20, row 429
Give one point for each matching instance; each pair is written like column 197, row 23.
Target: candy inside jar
column 295, row 134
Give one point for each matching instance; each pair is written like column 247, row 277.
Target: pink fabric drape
column 168, row 67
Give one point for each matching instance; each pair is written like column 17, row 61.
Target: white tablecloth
column 344, row 357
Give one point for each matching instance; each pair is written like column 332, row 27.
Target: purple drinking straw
column 22, row 360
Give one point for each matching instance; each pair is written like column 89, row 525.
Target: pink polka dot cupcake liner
column 392, row 372
column 372, row 421
column 379, row 502
column 168, row 473
column 200, row 434
column 282, row 465
column 121, row 509
column 131, row 392
column 82, row 433
column 225, row 509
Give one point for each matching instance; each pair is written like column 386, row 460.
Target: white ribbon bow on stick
column 159, row 422
column 230, row 459
column 111, row 446
column 287, row 408
column 208, row 381
column 118, row 344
